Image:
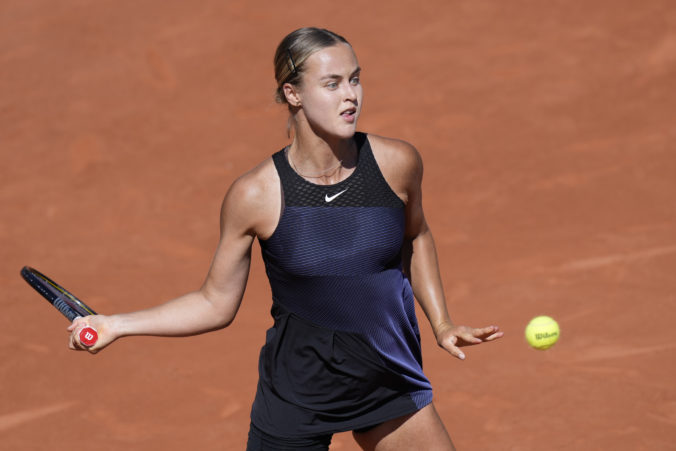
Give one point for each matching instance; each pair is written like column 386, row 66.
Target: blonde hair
column 294, row 49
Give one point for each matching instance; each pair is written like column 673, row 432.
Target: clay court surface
column 547, row 131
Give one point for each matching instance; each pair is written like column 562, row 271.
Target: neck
column 325, row 159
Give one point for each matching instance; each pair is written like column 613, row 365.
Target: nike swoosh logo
column 328, row 198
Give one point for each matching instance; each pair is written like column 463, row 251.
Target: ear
column 291, row 94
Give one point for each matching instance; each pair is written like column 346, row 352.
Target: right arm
column 246, row 211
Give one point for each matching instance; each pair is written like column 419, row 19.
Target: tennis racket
column 69, row 306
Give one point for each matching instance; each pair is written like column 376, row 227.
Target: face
column 330, row 91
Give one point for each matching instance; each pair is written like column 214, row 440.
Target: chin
column 341, row 131
column 347, row 131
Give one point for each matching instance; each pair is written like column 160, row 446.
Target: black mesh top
column 365, row 187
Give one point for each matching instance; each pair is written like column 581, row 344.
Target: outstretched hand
column 452, row 338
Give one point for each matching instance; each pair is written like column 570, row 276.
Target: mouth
column 349, row 114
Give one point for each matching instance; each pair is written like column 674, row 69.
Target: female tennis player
column 339, row 218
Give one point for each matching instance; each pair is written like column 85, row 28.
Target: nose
column 351, row 93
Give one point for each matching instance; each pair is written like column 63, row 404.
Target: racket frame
column 63, row 300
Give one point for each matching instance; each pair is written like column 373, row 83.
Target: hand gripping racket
column 70, row 306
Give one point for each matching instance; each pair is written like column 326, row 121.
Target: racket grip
column 88, row 336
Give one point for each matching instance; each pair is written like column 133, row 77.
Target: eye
column 332, row 85
column 354, row 81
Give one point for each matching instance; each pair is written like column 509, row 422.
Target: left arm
column 403, row 169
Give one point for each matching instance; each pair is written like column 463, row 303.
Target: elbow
column 226, row 320
column 224, row 315
column 222, row 308
column 219, row 320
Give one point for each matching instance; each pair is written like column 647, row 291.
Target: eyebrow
column 335, row 76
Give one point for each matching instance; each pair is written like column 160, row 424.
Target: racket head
column 64, row 301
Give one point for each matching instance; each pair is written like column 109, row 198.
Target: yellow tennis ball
column 542, row 332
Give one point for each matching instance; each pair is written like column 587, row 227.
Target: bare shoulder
column 254, row 185
column 400, row 164
column 253, row 200
column 395, row 152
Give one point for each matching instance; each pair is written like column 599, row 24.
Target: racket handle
column 88, row 336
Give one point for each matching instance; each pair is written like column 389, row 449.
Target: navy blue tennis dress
column 344, row 350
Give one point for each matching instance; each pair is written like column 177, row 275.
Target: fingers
column 455, row 337
column 494, row 336
column 458, row 353
column 449, row 344
column 488, row 333
column 76, row 321
column 74, row 338
column 75, row 328
column 455, row 352
column 470, row 338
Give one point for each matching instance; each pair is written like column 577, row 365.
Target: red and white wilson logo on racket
column 88, row 336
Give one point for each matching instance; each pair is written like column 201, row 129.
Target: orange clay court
column 547, row 131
